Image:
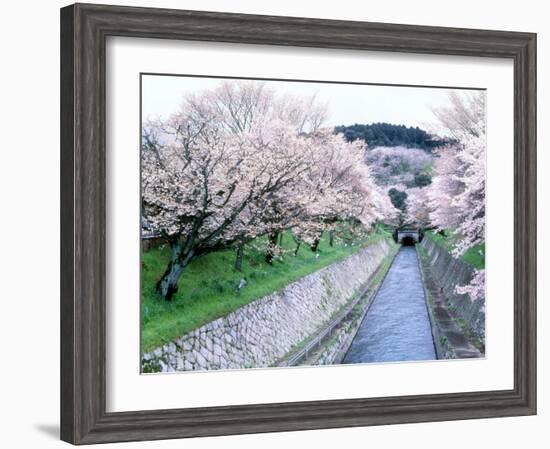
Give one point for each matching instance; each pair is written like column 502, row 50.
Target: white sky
column 348, row 103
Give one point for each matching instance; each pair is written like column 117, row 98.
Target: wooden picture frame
column 84, row 29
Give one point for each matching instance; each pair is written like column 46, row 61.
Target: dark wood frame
column 84, row 29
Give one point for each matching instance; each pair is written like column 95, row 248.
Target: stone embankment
column 263, row 332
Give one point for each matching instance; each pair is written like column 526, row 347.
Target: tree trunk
column 273, row 238
column 331, row 238
column 167, row 285
column 315, row 245
column 297, row 248
column 239, row 257
column 281, row 239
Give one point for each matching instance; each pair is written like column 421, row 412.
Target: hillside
column 390, row 135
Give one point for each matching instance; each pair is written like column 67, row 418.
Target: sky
column 348, row 103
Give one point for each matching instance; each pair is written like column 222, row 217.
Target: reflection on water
column 397, row 327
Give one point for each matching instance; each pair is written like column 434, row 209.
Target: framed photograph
column 275, row 223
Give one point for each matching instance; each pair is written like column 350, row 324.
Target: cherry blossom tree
column 457, row 193
column 465, row 115
column 388, row 213
column 337, row 186
column 338, row 190
column 445, row 186
column 209, row 171
column 476, row 288
column 418, row 210
column 471, row 201
column 237, row 162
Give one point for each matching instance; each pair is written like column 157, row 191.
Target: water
column 397, row 326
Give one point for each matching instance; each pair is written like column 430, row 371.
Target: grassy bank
column 208, row 286
column 474, row 256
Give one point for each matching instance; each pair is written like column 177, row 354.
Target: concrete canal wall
column 449, row 272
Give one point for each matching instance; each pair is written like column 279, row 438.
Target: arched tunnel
column 407, row 241
column 408, row 236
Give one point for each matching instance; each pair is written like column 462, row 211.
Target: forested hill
column 389, row 135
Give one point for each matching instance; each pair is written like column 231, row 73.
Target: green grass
column 207, row 287
column 475, row 256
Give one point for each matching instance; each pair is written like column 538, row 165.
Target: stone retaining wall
column 264, row 331
column 449, row 272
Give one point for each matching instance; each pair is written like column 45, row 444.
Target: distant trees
column 237, row 162
column 399, row 165
column 422, row 179
column 387, row 134
column 400, row 157
column 398, row 198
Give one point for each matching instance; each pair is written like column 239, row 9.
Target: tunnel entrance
column 408, row 235
column 408, row 241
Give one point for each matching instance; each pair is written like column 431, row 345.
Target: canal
column 397, row 326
